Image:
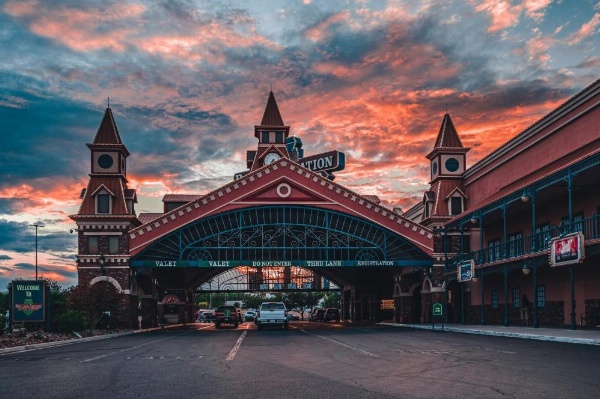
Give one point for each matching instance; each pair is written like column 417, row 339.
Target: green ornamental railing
column 526, row 245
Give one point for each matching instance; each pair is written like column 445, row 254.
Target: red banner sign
column 567, row 250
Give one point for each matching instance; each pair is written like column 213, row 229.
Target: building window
column 493, row 250
column 542, row 233
column 265, row 137
column 426, row 209
column 455, row 205
column 103, row 203
column 113, row 245
column 279, row 137
column 515, row 244
column 577, row 224
column 516, row 293
column 541, row 296
column 93, row 247
column 494, row 299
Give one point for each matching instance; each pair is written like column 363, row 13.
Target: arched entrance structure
column 320, row 226
column 281, row 212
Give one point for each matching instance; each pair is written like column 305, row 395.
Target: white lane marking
column 204, row 327
column 236, row 347
column 341, row 344
column 133, row 347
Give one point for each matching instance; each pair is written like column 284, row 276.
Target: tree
column 94, row 301
column 252, row 301
column 299, row 301
column 332, row 300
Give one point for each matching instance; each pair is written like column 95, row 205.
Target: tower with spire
column 446, row 197
column 107, row 211
column 271, row 134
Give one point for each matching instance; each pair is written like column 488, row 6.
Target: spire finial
column 446, row 107
column 271, row 86
column 108, row 102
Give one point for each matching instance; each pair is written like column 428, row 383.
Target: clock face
column 452, row 164
column 271, row 157
column 105, row 161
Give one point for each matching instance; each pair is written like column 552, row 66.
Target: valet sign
column 28, row 301
column 567, row 250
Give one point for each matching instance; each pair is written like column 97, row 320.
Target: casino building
column 281, row 225
column 523, row 221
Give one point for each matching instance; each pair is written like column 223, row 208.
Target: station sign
column 279, row 263
column 331, row 161
column 465, row 270
column 567, row 250
column 28, row 301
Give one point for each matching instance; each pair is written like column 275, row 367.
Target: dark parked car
column 226, row 315
column 317, row 314
column 332, row 314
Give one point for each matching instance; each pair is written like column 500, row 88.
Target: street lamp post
column 101, row 261
column 36, row 225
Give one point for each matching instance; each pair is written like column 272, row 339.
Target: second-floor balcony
column 528, row 246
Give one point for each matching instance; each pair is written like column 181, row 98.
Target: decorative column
column 482, row 288
column 506, row 318
column 536, row 321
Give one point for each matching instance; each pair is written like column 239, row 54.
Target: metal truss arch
column 283, row 233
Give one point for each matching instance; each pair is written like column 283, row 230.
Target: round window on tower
column 105, row 161
column 452, row 164
column 434, row 168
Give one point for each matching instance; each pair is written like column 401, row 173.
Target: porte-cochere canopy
column 281, row 235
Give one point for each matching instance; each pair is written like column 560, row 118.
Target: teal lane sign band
column 284, row 263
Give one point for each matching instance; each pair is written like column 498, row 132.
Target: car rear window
column 272, row 306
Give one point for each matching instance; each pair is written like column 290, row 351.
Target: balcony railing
column 517, row 248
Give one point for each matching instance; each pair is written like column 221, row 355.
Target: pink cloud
column 587, row 29
column 322, row 31
column 535, row 8
column 75, row 28
column 207, row 44
column 502, row 13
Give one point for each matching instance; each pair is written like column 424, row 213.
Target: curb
column 538, row 337
column 79, row 340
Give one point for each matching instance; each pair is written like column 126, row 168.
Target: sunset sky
column 189, row 79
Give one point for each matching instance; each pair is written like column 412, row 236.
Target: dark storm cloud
column 55, row 138
column 149, row 136
column 5, row 257
column 41, row 269
column 20, row 237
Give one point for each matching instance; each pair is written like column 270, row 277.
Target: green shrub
column 2, row 323
column 71, row 320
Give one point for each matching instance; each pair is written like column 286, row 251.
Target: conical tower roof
column 272, row 117
column 107, row 132
column 447, row 136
